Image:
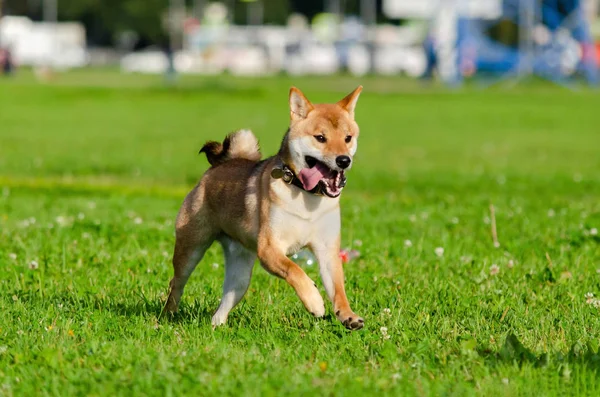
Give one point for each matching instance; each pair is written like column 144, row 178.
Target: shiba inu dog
column 272, row 208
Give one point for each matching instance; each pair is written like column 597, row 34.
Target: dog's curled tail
column 241, row 144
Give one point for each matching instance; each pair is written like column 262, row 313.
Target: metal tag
column 284, row 174
column 277, row 173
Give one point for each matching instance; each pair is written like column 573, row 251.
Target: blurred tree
column 14, row 7
column 275, row 12
column 106, row 19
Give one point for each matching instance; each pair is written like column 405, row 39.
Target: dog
column 272, row 208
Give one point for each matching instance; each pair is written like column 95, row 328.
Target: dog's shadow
column 125, row 306
column 195, row 311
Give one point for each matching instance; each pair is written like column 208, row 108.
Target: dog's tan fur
column 238, row 203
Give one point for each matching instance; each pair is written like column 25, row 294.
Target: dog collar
column 288, row 176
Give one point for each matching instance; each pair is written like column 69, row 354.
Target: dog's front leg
column 326, row 247
column 332, row 274
column 276, row 263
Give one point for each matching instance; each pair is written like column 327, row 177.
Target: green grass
column 93, row 168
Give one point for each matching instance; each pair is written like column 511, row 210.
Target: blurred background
column 445, row 39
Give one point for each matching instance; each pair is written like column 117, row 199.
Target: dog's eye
column 348, row 138
column 320, row 138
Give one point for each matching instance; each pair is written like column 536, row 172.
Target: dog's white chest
column 297, row 218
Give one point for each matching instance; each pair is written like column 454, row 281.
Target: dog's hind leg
column 239, row 262
column 190, row 245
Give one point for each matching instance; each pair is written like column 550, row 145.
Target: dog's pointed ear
column 299, row 105
column 349, row 102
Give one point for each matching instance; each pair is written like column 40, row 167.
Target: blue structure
column 505, row 47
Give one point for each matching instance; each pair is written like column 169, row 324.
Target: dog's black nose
column 343, row 161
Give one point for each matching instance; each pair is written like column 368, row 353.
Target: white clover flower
column 387, row 311
column 593, row 231
column 494, row 269
column 439, row 251
column 589, row 298
column 138, row 220
column 551, row 213
column 510, row 264
column 12, row 256
column 384, row 333
column 33, row 265
column 408, row 243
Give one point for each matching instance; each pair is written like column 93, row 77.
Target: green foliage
column 116, row 16
column 94, row 166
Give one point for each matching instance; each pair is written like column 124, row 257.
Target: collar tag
column 283, row 173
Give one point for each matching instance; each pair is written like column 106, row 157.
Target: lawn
column 94, row 166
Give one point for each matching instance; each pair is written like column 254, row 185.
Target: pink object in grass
column 347, row 255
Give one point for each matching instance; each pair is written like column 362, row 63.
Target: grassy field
column 93, row 168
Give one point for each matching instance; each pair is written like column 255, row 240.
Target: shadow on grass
column 187, row 313
column 135, row 305
column 514, row 352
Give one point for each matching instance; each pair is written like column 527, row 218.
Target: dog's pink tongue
column 310, row 177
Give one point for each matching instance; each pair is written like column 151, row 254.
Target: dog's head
column 322, row 141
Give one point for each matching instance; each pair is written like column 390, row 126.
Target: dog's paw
column 316, row 306
column 218, row 320
column 313, row 301
column 350, row 320
column 171, row 307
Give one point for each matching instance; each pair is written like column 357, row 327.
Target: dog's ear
column 349, row 102
column 299, row 105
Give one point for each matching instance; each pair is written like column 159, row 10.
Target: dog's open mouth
column 332, row 182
